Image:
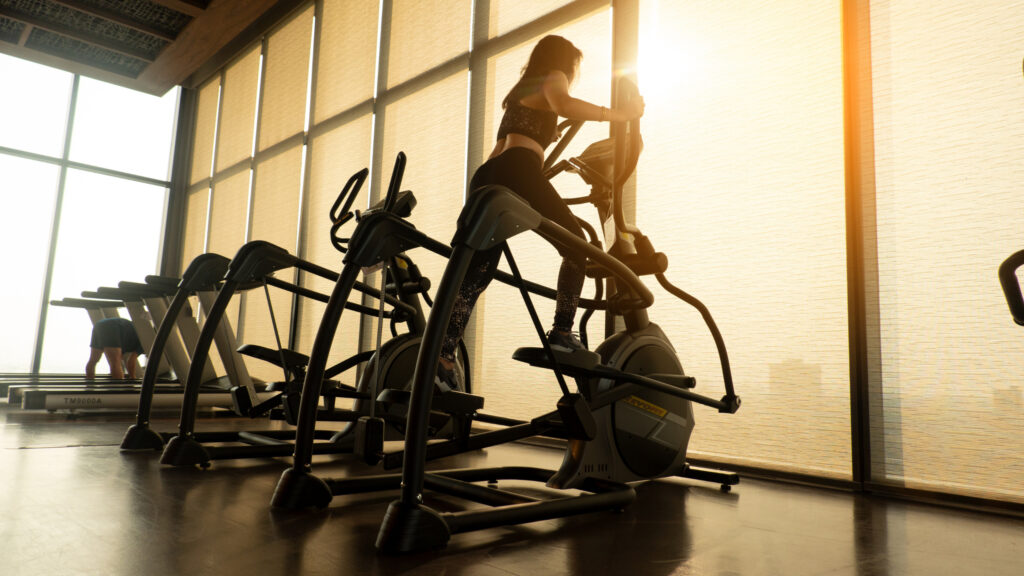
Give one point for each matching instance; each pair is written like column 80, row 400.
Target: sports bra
column 538, row 125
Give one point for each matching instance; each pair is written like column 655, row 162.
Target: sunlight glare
column 670, row 65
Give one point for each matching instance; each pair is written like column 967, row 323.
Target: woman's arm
column 556, row 92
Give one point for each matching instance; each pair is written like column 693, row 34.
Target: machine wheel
column 651, row 429
column 399, row 356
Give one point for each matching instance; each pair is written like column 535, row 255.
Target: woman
column 528, row 126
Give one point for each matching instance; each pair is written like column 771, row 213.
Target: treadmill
column 97, row 309
column 147, row 304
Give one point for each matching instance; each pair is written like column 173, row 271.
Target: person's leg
column 94, row 357
column 131, row 364
column 520, row 171
column 114, row 360
column 528, row 181
column 481, row 271
column 571, row 277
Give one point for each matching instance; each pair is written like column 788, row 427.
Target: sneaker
column 565, row 341
column 447, row 379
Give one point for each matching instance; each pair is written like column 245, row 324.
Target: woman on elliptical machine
column 529, row 125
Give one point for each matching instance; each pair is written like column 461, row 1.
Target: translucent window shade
column 258, row 325
column 123, row 130
column 274, row 219
column 347, row 57
column 425, row 34
column 34, row 114
column 206, row 127
column 327, row 176
column 28, row 194
column 283, row 109
column 110, row 231
column 196, row 205
column 229, row 212
column 430, row 127
column 502, row 322
column 741, row 184
column 238, row 109
column 507, row 15
column 275, row 209
column 949, row 410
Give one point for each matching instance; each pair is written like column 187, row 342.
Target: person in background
column 116, row 339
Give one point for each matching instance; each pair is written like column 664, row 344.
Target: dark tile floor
column 71, row 503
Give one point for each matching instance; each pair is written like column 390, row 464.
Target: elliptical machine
column 253, row 266
column 382, row 237
column 631, row 417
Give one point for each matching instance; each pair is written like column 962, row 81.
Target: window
column 84, row 215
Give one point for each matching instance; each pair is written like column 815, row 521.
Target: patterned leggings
column 519, row 169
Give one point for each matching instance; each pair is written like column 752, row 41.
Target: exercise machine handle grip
column 341, row 207
column 396, row 182
column 341, row 210
column 1011, row 285
column 627, row 156
column 627, row 147
column 574, row 127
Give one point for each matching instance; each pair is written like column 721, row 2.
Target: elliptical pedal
column 579, row 363
column 450, row 401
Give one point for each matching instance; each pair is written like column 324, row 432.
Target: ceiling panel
column 148, row 45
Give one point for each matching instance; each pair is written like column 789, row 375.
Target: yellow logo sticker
column 646, row 406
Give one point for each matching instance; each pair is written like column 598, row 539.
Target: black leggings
column 520, row 170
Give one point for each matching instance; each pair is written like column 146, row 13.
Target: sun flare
column 669, row 64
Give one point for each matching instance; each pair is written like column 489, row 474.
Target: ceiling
column 147, row 45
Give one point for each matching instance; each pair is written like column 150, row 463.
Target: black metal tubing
column 493, row 215
column 445, row 250
column 315, row 369
column 148, row 288
column 256, row 260
column 109, row 292
column 380, row 235
column 201, row 274
column 723, row 354
column 87, row 303
column 1011, row 286
column 473, row 493
column 415, row 455
column 149, row 376
column 267, row 444
column 319, row 297
column 512, row 432
column 252, row 259
column 563, row 142
column 563, row 238
column 729, row 404
column 200, row 355
column 626, row 150
column 602, row 496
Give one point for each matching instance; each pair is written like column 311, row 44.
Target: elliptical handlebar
column 396, row 182
column 1011, row 285
column 341, row 209
column 563, row 142
column 347, row 196
column 627, row 148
